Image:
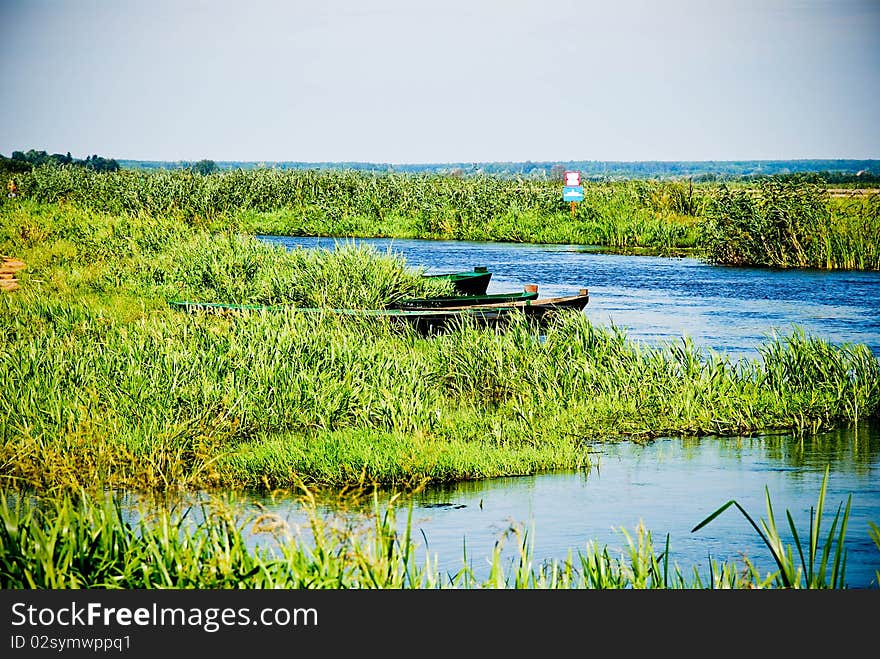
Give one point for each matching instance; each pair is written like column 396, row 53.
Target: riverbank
column 114, row 387
column 108, row 389
column 775, row 222
column 98, row 542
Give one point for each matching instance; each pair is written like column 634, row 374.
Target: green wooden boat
column 474, row 282
column 537, row 308
column 530, row 293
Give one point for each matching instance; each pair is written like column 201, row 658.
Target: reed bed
column 777, row 221
column 335, row 193
column 791, row 223
column 238, row 268
column 105, row 386
column 660, row 216
column 175, row 400
column 82, row 540
column 73, row 251
column 105, row 383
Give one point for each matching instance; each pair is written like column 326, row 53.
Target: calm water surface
column 669, row 485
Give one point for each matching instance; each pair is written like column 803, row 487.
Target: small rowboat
column 474, row 282
column 529, row 293
column 427, row 322
column 538, row 308
column 539, row 311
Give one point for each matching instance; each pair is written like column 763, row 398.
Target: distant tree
column 33, row 158
column 100, row 164
column 204, row 167
column 557, row 172
column 60, row 159
column 14, row 165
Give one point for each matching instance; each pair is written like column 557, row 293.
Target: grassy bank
column 172, row 401
column 106, row 388
column 104, row 383
column 781, row 222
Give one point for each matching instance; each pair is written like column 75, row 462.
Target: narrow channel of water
column 668, row 486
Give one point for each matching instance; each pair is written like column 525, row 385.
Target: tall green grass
column 173, row 399
column 637, row 214
column 73, row 252
column 106, row 386
column 778, row 221
column 105, row 383
column 814, row 566
column 791, row 223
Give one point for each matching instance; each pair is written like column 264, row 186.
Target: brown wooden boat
column 528, row 293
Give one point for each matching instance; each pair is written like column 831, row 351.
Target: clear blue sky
column 408, row 81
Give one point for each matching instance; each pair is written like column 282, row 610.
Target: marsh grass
column 236, row 268
column 777, row 221
column 106, row 387
column 791, row 223
column 175, row 400
column 625, row 215
column 805, row 563
column 104, row 383
column 72, row 252
column 874, row 532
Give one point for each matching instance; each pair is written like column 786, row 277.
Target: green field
column 111, row 384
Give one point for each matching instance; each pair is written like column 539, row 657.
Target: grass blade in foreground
column 806, row 575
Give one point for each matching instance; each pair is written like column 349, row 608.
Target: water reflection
column 671, row 485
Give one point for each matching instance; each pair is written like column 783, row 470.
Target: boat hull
column 467, row 283
column 464, row 300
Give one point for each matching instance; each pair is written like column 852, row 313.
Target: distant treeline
column 777, row 221
column 24, row 161
column 828, row 170
column 831, row 171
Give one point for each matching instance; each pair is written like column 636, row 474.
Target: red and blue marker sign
column 573, row 190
